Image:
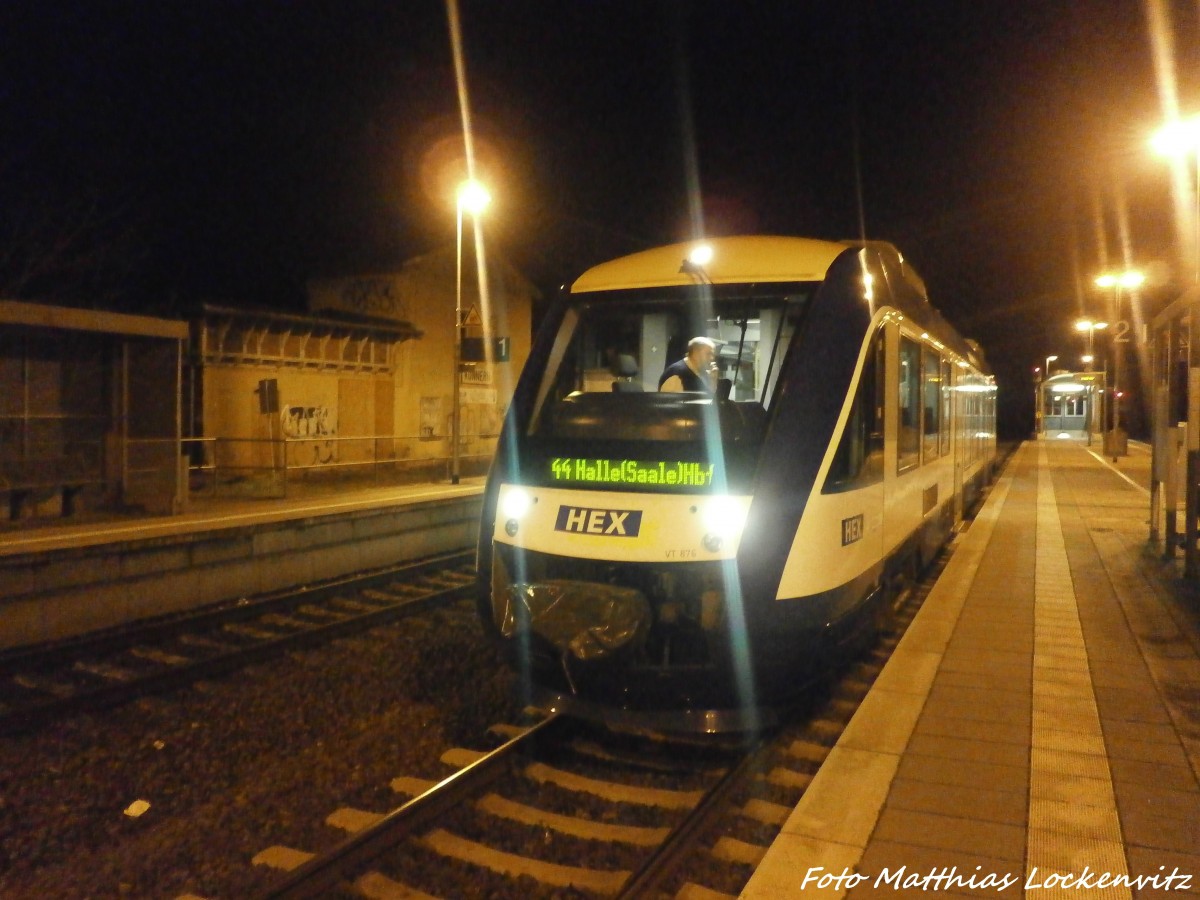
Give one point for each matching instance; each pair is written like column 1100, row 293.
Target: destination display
column 672, row 473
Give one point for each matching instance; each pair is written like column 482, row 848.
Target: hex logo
column 606, row 522
column 852, row 529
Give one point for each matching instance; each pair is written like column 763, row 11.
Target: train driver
column 697, row 371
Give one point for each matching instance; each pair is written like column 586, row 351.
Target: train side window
column 908, row 440
column 858, row 461
column 931, row 399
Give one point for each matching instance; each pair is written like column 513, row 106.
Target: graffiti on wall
column 315, row 423
column 431, row 417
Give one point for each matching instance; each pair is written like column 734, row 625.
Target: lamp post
column 1040, row 407
column 472, row 199
column 1046, row 378
column 1178, row 139
column 1090, row 326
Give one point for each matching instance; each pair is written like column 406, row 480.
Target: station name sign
column 578, row 470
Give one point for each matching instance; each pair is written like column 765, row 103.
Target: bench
column 67, row 475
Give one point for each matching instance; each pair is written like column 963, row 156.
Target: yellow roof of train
column 734, row 260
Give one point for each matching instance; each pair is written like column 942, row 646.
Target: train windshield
column 629, row 342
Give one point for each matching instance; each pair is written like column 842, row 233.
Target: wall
column 54, row 594
column 423, row 293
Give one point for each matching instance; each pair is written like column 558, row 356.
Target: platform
column 207, row 514
column 1037, row 731
column 61, row 578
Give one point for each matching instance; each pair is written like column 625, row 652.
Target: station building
column 104, row 411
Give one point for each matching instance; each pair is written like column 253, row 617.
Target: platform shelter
column 1072, row 404
column 89, row 411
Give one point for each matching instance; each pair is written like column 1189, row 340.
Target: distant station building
column 361, row 387
column 90, row 412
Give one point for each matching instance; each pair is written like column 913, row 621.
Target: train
column 691, row 560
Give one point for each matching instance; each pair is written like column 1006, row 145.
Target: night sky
column 153, row 155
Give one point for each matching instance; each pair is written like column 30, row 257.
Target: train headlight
column 514, row 505
column 723, row 519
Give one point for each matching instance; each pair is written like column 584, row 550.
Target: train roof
column 735, row 260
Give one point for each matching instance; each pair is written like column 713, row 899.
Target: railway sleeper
column 574, row 826
column 602, row 881
column 605, row 790
column 732, row 850
column 377, row 886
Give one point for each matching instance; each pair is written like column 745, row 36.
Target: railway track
column 43, row 683
column 548, row 785
column 555, row 809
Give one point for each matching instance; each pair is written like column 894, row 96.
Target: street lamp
column 1091, row 328
column 472, row 199
column 1128, row 279
column 1178, row 139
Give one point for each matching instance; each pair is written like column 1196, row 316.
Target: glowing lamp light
column 723, row 518
column 1125, row 280
column 700, row 255
column 515, row 503
column 473, row 197
column 1177, row 138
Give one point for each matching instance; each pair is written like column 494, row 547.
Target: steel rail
column 687, row 834
column 120, row 637
column 320, row 875
column 103, row 695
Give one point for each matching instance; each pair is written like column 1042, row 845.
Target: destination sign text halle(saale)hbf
column 631, row 471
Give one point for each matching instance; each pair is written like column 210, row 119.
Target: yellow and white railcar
column 690, row 559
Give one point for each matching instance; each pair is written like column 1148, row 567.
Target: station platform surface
column 205, row 514
column 63, row 578
column 1037, row 731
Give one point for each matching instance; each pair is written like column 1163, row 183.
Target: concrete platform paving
column 207, row 515
column 1037, row 732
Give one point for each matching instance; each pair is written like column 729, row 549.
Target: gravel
column 226, row 769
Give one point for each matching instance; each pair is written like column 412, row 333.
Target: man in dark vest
column 695, row 372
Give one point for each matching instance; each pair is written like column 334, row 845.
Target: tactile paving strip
column 1073, row 823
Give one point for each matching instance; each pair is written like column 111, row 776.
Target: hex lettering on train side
column 607, row 522
column 616, row 524
column 852, row 529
